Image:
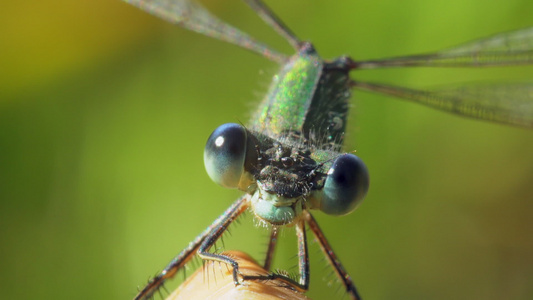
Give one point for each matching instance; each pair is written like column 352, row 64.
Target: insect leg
column 303, row 255
column 215, row 231
column 334, row 261
column 303, row 263
column 272, row 242
column 237, row 208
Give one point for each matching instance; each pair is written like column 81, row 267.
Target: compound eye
column 225, row 154
column 346, row 185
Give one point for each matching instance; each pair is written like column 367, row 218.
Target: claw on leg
column 195, row 287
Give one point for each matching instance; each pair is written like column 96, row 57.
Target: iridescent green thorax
column 287, row 101
column 307, row 101
column 297, row 132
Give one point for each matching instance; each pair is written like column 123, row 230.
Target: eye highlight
column 346, row 185
column 225, row 154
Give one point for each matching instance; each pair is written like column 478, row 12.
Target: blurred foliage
column 104, row 112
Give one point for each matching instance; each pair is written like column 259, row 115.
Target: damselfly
column 287, row 160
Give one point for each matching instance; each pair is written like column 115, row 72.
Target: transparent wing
column 276, row 23
column 504, row 49
column 507, row 103
column 194, row 17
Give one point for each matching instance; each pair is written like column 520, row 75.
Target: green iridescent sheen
column 321, row 156
column 286, row 105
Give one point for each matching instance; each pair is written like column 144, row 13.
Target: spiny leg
column 334, row 261
column 216, row 232
column 236, row 209
column 302, row 285
column 303, row 255
column 272, row 242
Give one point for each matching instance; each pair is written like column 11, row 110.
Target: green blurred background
column 104, row 112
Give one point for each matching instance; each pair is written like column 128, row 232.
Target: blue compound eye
column 225, row 154
column 346, row 185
